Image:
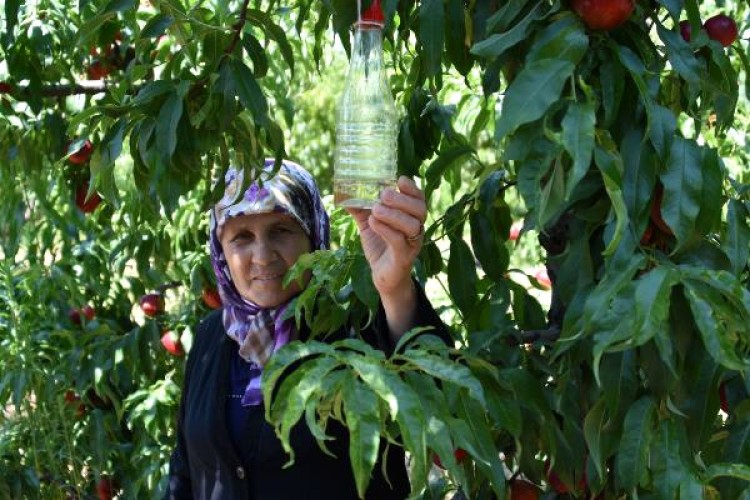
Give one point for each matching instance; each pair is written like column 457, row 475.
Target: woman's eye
column 242, row 237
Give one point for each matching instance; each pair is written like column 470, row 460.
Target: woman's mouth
column 268, row 277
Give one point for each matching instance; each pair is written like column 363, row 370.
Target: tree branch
column 530, row 336
column 238, row 28
column 84, row 87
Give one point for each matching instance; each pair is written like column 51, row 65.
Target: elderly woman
column 225, row 448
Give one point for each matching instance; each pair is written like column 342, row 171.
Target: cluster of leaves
column 591, row 125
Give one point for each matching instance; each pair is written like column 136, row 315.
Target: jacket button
column 240, row 473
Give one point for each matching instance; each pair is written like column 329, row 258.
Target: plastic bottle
column 367, row 122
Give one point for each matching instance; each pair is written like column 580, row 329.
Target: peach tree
column 613, row 129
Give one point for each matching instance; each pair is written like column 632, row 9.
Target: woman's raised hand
column 392, row 234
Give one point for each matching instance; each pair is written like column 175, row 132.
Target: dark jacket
column 205, row 464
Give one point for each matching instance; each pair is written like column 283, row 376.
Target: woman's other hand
column 392, row 234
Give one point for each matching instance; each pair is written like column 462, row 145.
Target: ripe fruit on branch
column 515, row 230
column 723, row 402
column 543, row 278
column 88, row 312
column 73, row 400
column 82, row 154
column 171, row 343
column 721, row 28
column 686, row 30
column 520, row 489
column 104, row 488
column 459, row 454
column 87, row 205
column 557, row 484
column 97, row 70
column 5, row 88
column 211, row 298
column 152, row 304
column 648, row 235
column 603, row 14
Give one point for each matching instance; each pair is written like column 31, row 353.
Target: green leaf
column 462, row 276
column 632, row 455
column 737, row 243
column 283, row 358
column 489, row 248
column 156, row 26
column 578, row 140
column 166, row 126
column 118, row 6
column 552, row 197
column 485, row 454
column 103, row 161
column 712, row 172
column 668, row 450
column 639, row 164
column 739, row 471
column 661, row 121
column 709, row 314
column 151, row 91
column 700, row 401
column 535, row 89
column 529, row 394
column 431, row 35
column 619, row 381
column 257, row 54
column 500, row 399
column 682, row 181
column 505, row 16
column 680, row 55
column 565, row 38
column 446, row 370
column 495, row 45
column 294, row 392
column 11, row 19
column 736, row 450
column 111, row 147
column 614, row 280
column 404, row 407
column 249, row 92
column 362, row 283
column 662, row 125
column 446, row 158
column 610, row 165
column 438, row 434
column 278, row 34
column 363, row 422
column 455, row 42
column 652, row 302
column 594, row 430
column 91, row 28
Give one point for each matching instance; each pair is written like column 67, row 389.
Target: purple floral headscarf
column 260, row 332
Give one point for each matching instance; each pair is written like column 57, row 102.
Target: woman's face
column 259, row 249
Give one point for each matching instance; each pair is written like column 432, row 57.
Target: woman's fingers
column 410, row 199
column 404, row 210
column 399, row 220
column 360, row 216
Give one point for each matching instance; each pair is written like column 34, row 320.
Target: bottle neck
column 368, row 42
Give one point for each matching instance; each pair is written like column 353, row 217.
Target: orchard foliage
column 621, row 145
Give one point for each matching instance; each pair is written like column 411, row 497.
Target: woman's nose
column 263, row 252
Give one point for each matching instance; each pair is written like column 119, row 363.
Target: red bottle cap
column 373, row 14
